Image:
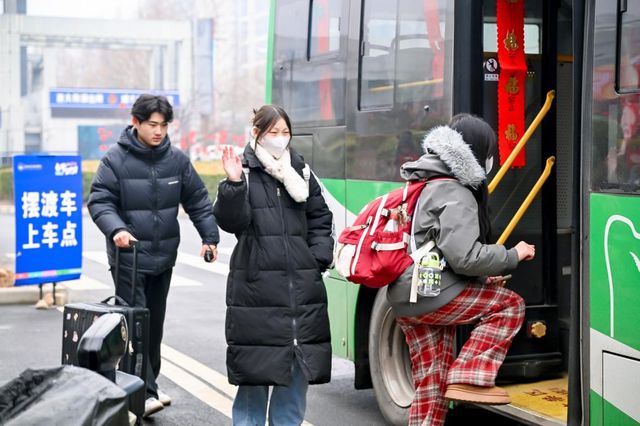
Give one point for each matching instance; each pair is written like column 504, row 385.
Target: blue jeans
column 286, row 407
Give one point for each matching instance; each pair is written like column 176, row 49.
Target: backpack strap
column 418, row 253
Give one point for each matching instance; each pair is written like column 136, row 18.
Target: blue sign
column 103, row 98
column 48, row 200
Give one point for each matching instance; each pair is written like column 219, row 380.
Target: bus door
column 537, row 351
column 537, row 364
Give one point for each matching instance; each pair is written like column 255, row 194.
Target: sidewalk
column 30, row 294
column 66, row 292
column 7, row 208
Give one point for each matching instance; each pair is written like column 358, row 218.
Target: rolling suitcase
column 78, row 317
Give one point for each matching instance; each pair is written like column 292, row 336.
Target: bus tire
column 390, row 363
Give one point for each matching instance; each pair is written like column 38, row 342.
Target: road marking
column 197, row 262
column 96, row 256
column 176, row 280
column 180, row 281
column 86, row 283
column 225, row 250
column 217, row 380
column 341, row 368
column 197, row 388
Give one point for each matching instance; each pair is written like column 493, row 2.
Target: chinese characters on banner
column 511, row 83
column 48, row 200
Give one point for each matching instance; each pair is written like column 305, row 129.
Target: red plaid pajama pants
column 430, row 337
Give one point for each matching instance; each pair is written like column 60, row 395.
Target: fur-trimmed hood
column 446, row 153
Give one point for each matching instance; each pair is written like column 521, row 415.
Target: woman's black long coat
column 276, row 299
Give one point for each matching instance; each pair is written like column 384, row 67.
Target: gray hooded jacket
column 447, row 213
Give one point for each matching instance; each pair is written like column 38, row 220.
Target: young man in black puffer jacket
column 135, row 195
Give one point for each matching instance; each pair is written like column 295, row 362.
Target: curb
column 30, row 294
column 4, row 209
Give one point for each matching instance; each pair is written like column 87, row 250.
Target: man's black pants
column 151, row 293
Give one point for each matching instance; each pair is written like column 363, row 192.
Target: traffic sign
column 48, row 200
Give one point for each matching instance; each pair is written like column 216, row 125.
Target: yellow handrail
column 523, row 141
column 525, row 205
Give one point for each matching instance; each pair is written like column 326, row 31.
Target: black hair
column 267, row 116
column 147, row 104
column 481, row 138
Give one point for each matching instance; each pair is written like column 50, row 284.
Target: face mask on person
column 488, row 164
column 275, row 145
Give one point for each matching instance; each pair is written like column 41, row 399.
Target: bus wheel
column 389, row 362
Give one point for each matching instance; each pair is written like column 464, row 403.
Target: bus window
column 377, row 60
column 290, row 30
column 325, row 27
column 309, row 68
column 531, row 38
column 616, row 102
column 628, row 62
column 420, row 51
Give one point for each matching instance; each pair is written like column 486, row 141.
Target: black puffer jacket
column 276, row 300
column 139, row 189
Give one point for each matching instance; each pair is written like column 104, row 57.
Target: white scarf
column 281, row 170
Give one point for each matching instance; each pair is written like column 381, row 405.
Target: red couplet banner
column 511, row 83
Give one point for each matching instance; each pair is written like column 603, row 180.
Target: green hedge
column 211, row 182
column 6, row 184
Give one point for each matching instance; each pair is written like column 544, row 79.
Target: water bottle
column 429, row 275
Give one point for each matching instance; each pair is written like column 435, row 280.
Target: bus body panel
column 356, row 119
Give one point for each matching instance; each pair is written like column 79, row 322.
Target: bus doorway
column 537, row 367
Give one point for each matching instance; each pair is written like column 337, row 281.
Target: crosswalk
column 100, row 256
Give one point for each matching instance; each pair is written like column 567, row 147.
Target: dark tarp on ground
column 64, row 395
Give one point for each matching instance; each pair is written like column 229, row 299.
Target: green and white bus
column 363, row 80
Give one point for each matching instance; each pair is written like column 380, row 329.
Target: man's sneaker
column 492, row 395
column 151, row 406
column 164, row 398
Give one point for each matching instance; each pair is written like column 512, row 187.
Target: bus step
column 538, row 403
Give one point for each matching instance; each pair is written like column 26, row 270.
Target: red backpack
column 373, row 251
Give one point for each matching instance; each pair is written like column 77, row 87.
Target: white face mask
column 488, row 165
column 275, row 145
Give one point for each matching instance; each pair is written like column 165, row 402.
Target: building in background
column 68, row 83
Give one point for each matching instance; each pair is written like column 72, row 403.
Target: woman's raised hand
column 231, row 164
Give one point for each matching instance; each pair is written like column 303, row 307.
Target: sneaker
column 492, row 395
column 164, row 398
column 151, row 406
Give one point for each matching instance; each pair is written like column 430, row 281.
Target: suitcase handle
column 117, row 300
column 134, row 269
